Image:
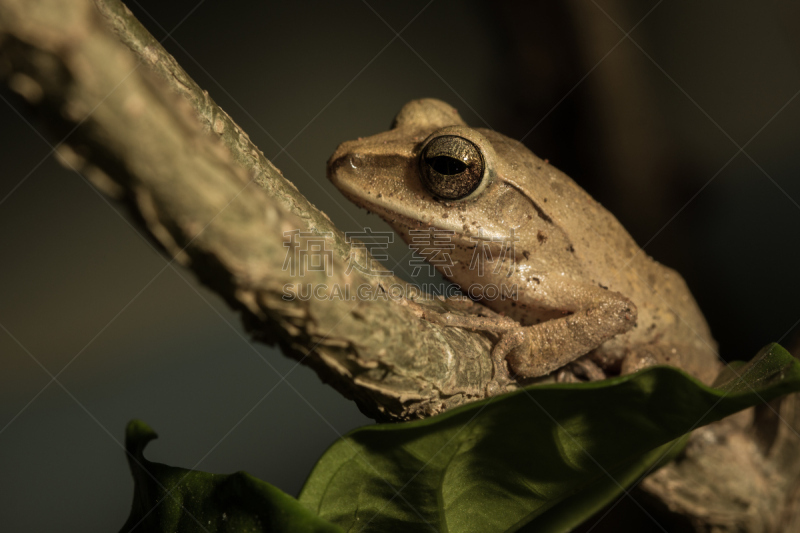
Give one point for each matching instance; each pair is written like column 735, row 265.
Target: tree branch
column 134, row 123
column 142, row 131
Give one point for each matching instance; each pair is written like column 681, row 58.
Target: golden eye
column 451, row 167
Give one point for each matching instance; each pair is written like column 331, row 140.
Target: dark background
column 653, row 133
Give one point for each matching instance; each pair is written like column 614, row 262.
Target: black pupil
column 446, row 166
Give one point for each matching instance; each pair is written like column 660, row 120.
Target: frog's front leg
column 595, row 316
column 512, row 336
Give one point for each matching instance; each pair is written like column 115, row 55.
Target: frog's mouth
column 402, row 223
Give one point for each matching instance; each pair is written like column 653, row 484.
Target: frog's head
column 429, row 170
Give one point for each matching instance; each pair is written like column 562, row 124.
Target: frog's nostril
column 356, row 161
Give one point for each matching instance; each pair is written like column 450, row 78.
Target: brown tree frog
column 585, row 294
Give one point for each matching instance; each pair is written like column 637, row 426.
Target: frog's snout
column 343, row 160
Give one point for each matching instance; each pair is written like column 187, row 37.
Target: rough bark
column 739, row 474
column 134, row 123
column 142, row 131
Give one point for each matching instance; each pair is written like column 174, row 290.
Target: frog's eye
column 452, row 168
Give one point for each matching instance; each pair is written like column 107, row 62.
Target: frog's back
column 608, row 255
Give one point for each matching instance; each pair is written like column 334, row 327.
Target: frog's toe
column 498, row 385
column 493, row 388
column 587, row 369
column 637, row 360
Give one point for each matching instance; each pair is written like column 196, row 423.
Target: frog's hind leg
column 640, row 358
column 698, row 359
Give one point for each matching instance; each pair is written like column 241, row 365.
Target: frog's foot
column 579, row 371
column 637, row 360
column 698, row 359
column 512, row 337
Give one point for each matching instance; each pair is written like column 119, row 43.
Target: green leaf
column 552, row 455
column 168, row 498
